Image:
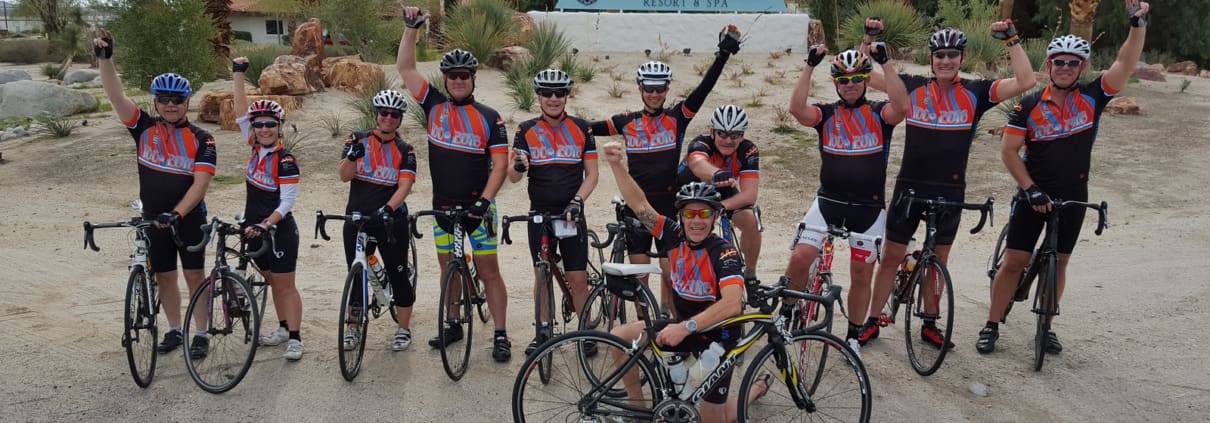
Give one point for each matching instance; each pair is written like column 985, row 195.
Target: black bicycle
column 604, row 309
column 923, row 285
column 1043, row 265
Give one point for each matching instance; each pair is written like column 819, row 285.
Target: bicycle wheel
column 924, row 352
column 997, row 258
column 896, row 300
column 228, row 313
column 352, row 313
column 412, row 273
column 141, row 333
column 1046, row 305
column 602, row 310
column 543, row 288
column 479, row 296
column 389, row 290
column 596, row 257
column 572, row 393
column 456, row 354
column 812, row 312
column 839, row 392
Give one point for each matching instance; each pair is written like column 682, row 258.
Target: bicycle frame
column 369, row 281
column 546, row 249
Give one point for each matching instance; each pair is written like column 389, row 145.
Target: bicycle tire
column 842, row 385
column 352, row 311
column 389, row 290
column 997, row 258
column 141, row 333
column 602, row 311
column 544, row 283
column 596, row 257
column 230, row 313
column 919, row 351
column 260, row 291
column 572, row 379
column 453, row 360
column 413, row 274
column 1046, row 306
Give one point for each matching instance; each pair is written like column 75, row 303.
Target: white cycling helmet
column 654, row 73
column 1069, row 44
column 729, row 118
column 390, row 99
column 850, row 62
column 552, row 79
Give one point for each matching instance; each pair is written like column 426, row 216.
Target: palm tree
column 1006, row 9
column 1082, row 14
column 220, row 13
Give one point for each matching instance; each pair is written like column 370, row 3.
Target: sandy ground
column 1131, row 323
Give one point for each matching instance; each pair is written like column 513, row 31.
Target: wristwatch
column 691, row 325
column 578, row 199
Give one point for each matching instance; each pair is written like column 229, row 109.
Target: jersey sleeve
column 985, row 94
column 667, row 233
column 590, row 144
column 698, row 149
column 727, row 267
column 824, row 112
column 287, row 170
column 207, row 154
column 912, row 82
column 429, row 97
column 1100, row 91
column 407, row 166
column 749, row 160
column 1018, row 120
column 497, row 141
column 245, row 127
column 520, row 145
column 139, row 123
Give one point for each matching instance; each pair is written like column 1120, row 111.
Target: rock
column 31, row 98
column 979, row 389
column 289, row 75
column 815, row 32
column 350, row 74
column 1123, row 106
column 1187, row 68
column 1157, row 67
column 1147, row 73
column 504, row 58
column 80, row 75
column 219, row 107
column 210, row 108
column 7, row 76
column 525, row 23
column 308, row 39
column 14, row 132
column 1204, row 74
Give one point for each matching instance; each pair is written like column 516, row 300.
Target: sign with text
column 767, row 6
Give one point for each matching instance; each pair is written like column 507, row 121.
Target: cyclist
column 941, row 126
column 380, row 168
column 468, row 152
column 1057, row 127
column 176, row 163
column 559, row 153
column 854, row 146
column 272, row 180
column 654, row 136
column 708, row 285
column 719, row 158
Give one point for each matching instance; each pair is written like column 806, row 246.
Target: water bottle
column 707, row 362
column 910, row 261
column 381, row 276
column 678, row 373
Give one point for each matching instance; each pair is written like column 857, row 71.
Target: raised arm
column 803, row 112
column 239, row 97
column 1023, row 72
column 895, row 90
column 123, row 106
column 615, row 154
column 1128, row 56
column 405, row 59
column 873, row 28
column 728, row 44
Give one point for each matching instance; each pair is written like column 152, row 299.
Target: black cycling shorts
column 696, row 343
column 639, row 241
column 901, row 227
column 573, row 250
column 394, row 256
column 285, row 242
column 164, row 251
column 1025, row 225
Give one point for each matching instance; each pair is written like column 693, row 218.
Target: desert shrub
column 334, row 125
column 55, row 126
column 521, row 91
column 259, row 58
column 50, row 70
column 903, row 27
column 480, row 27
column 579, row 72
column 25, row 51
column 1035, row 48
column 362, row 102
column 546, row 45
column 144, row 50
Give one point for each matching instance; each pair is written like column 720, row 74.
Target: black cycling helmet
column 947, row 38
column 459, row 59
column 698, row 192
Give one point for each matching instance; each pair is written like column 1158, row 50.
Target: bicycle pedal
column 884, row 320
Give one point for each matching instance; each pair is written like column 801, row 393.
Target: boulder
column 525, row 23
column 350, row 74
column 1123, row 106
column 7, row 76
column 504, row 58
column 308, row 39
column 1187, row 68
column 815, row 32
column 31, row 98
column 80, row 75
column 1148, row 73
column 1204, row 74
column 289, row 75
column 219, row 107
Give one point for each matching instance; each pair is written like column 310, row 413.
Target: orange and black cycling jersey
column 462, row 136
column 699, row 272
column 743, row 163
column 1059, row 137
column 940, row 128
column 556, row 159
column 854, row 147
column 378, row 173
column 168, row 157
column 269, row 169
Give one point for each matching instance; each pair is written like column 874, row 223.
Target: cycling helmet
column 699, row 192
column 171, row 83
column 268, row 108
column 729, row 118
column 553, row 79
column 459, row 59
column 655, row 72
column 390, row 99
column 947, row 38
column 850, row 62
column 1069, row 44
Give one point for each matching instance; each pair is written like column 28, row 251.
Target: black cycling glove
column 104, row 52
column 815, row 55
column 168, row 218
column 519, row 165
column 879, row 52
column 1036, row 197
column 722, row 176
column 479, row 207
column 573, row 210
column 728, row 39
column 354, row 150
column 872, row 31
column 384, row 212
column 1007, row 33
column 1137, row 21
column 414, row 22
column 239, row 67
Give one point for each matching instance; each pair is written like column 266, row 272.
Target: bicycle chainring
column 676, row 411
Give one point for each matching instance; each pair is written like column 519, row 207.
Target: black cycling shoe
column 453, row 333
column 1052, row 343
column 987, row 340
column 199, row 348
column 171, row 341
column 533, row 345
column 502, row 349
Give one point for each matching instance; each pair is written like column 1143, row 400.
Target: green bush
column 578, row 72
column 50, row 70
column 242, row 35
column 56, row 126
column 522, row 93
column 362, row 102
column 904, row 28
column 480, row 27
column 1035, row 48
column 547, row 44
column 25, row 51
column 144, row 49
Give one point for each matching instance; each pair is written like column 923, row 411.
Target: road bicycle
column 1043, row 265
column 923, row 286
column 820, row 279
column 603, row 309
column 591, row 389
column 224, row 310
column 727, row 230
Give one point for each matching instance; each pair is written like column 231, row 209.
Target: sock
column 994, row 325
column 873, row 321
column 501, row 333
column 295, row 335
column 749, row 273
column 175, row 328
column 853, row 330
column 282, row 324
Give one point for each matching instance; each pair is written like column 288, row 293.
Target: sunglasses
column 700, row 214
column 947, row 54
column 459, row 76
column 390, row 113
column 844, row 80
column 266, row 124
column 1071, row 63
column 659, row 89
column 171, row 99
column 729, row 134
column 552, row 93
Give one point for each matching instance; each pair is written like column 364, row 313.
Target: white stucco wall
column 255, row 25
column 635, row 32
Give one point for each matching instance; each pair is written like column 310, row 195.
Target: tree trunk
column 1082, row 14
column 220, row 12
column 1006, row 9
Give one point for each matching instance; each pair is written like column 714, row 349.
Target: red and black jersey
column 462, row 137
column 854, row 147
column 940, row 128
column 1059, row 137
column 378, row 173
column 744, row 163
column 268, row 170
column 556, row 159
column 699, row 272
column 168, row 156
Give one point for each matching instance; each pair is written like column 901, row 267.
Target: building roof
column 247, row 6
